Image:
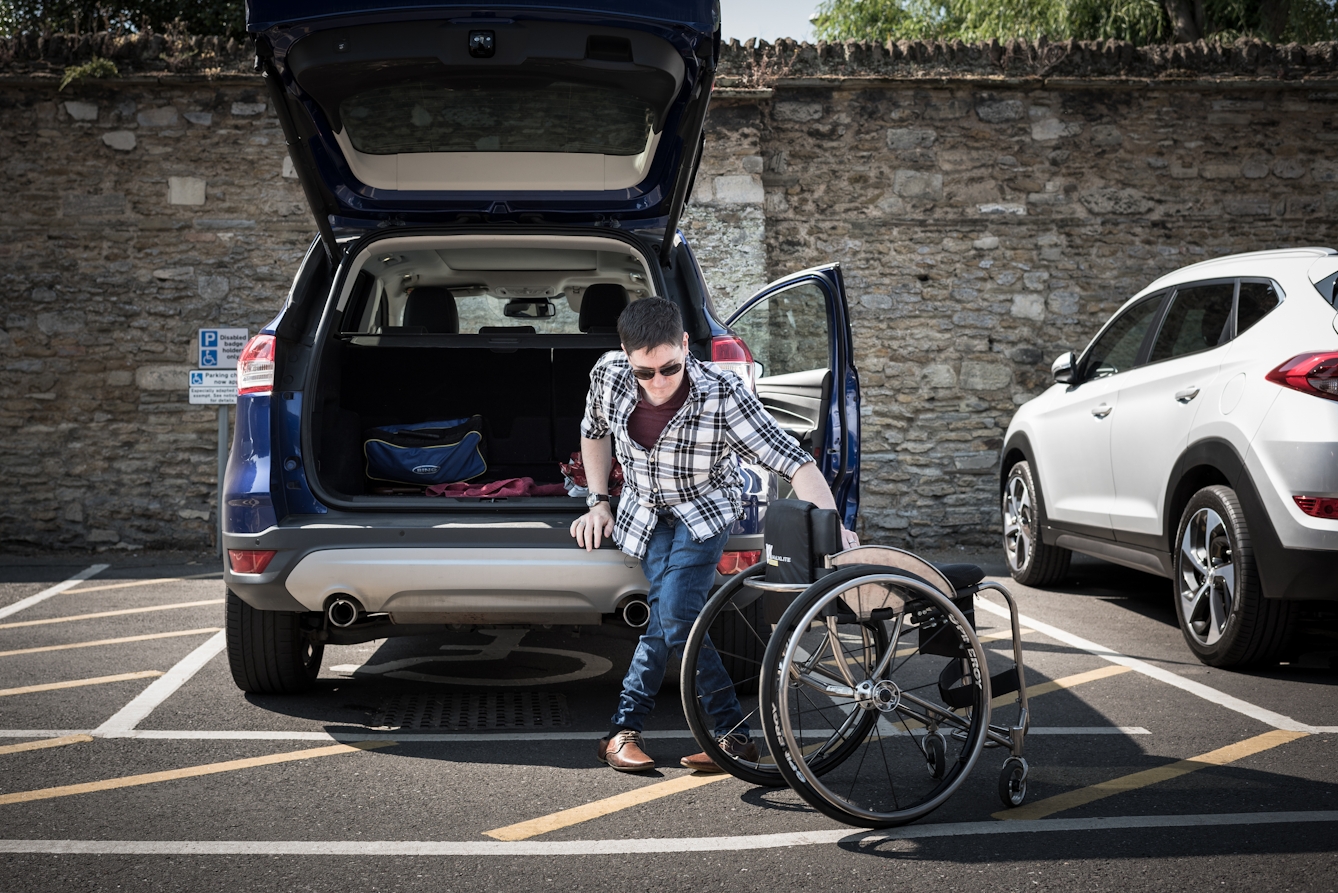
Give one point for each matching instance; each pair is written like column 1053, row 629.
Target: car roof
column 1255, row 263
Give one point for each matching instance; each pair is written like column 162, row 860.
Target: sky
column 767, row 19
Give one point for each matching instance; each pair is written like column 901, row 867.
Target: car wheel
column 268, row 651
column 1223, row 614
column 1030, row 561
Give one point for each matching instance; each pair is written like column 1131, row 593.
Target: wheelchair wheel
column 923, row 696
column 731, row 629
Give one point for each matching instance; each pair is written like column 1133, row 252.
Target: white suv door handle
column 1187, row 394
column 1102, row 411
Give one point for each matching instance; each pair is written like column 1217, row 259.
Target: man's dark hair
column 649, row 323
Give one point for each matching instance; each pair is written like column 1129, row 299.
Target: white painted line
column 382, row 848
column 54, row 590
column 161, row 689
column 409, row 737
column 1222, row 699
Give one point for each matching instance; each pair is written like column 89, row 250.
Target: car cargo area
column 442, row 329
column 531, row 400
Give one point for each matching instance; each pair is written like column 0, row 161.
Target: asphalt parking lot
column 465, row 761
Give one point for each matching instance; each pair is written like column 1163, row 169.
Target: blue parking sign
column 209, row 337
column 208, row 356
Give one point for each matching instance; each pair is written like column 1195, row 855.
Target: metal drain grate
column 492, row 710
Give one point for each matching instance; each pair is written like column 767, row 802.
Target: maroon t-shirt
column 647, row 423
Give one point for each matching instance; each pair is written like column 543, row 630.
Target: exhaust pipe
column 343, row 612
column 635, row 612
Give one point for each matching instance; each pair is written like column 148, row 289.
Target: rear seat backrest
column 600, row 307
column 433, row 308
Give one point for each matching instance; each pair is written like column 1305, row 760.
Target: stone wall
column 985, row 222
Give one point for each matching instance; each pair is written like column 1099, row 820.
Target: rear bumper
column 497, row 570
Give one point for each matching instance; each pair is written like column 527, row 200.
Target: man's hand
column 810, row 486
column 593, row 527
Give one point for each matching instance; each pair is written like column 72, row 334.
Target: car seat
column 432, row 308
column 600, row 306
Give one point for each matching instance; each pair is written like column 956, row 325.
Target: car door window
column 1199, row 319
column 1257, row 298
column 787, row 331
column 1116, row 349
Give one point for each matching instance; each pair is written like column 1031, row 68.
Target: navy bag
column 427, row 453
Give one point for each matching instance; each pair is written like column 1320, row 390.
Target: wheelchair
column 863, row 670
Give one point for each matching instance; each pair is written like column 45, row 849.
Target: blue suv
column 490, row 189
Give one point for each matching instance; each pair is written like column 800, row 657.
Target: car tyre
column 1220, row 604
column 1030, row 560
column 268, row 651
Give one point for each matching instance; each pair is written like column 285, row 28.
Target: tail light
column 1318, row 506
column 1310, row 373
column 255, row 367
column 732, row 355
column 249, row 561
column 737, row 562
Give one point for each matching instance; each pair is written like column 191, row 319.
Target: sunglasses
column 667, row 371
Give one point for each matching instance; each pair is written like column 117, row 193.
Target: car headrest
column 433, row 308
column 600, row 306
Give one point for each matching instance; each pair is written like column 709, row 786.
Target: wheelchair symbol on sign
column 197, row 379
column 209, row 357
column 505, row 641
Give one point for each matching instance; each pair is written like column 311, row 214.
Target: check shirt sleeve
column 754, row 434
column 595, row 422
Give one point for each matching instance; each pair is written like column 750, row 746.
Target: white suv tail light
column 255, row 367
column 1309, row 373
column 732, row 355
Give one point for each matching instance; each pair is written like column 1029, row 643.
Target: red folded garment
column 497, row 489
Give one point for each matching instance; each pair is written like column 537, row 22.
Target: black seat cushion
column 600, row 307
column 961, row 575
column 433, row 308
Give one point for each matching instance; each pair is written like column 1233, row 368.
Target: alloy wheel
column 1018, row 517
column 1207, row 576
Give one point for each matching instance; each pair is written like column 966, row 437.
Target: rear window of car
column 1257, row 298
column 520, row 114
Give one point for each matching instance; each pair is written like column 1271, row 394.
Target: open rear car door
column 574, row 112
column 798, row 330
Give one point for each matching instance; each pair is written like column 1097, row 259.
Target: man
column 679, row 427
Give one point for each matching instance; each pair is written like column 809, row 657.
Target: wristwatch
column 595, row 499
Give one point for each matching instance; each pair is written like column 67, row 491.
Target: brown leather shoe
column 623, row 752
column 734, row 745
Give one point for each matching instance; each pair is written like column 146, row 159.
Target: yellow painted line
column 1062, row 683
column 1220, row 757
column 172, row 607
column 45, row 743
column 218, row 574
column 130, row 781
column 95, row 642
column 79, row 683
column 574, row 816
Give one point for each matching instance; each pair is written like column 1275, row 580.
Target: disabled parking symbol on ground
column 505, row 642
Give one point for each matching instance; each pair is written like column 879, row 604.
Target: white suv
column 1195, row 438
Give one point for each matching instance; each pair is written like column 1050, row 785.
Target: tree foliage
column 225, row 18
column 1139, row 21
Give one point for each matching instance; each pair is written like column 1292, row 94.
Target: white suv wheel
column 1207, row 576
column 1223, row 614
column 1030, row 560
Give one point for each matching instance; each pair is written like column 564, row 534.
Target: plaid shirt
column 693, row 470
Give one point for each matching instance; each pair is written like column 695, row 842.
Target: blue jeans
column 680, row 572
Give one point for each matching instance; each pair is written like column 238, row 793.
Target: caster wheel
column 936, row 754
column 1013, row 781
